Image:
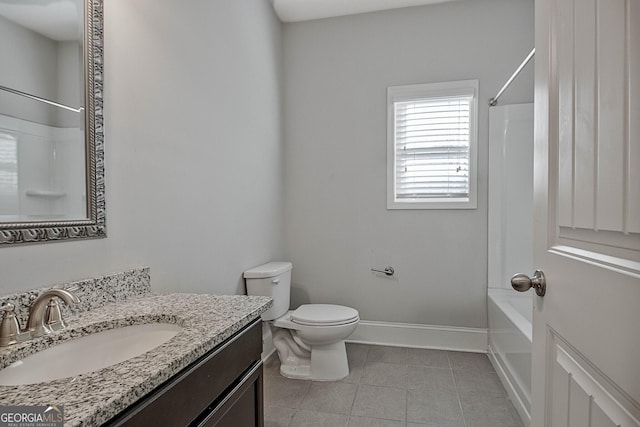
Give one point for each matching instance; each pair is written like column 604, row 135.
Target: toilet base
column 328, row 363
column 296, row 372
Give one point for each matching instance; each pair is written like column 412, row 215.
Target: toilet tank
column 271, row 280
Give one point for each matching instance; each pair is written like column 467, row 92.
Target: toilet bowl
column 313, row 347
column 310, row 339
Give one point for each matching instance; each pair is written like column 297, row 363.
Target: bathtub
column 510, row 344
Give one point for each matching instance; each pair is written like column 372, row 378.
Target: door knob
column 522, row 282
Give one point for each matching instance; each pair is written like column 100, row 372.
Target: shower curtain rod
column 37, row 98
column 493, row 101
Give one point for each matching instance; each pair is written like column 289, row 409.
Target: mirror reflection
column 42, row 111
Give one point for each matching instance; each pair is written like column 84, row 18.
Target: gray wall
column 194, row 172
column 337, row 225
column 195, row 160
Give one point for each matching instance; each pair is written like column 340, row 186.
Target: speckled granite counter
column 93, row 398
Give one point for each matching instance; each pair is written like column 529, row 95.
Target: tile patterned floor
column 393, row 386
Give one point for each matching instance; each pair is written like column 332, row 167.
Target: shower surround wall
column 49, row 159
column 35, row 72
column 511, row 249
column 337, row 226
column 194, row 180
column 49, row 139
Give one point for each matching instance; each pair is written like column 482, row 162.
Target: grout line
column 292, row 417
column 366, row 355
column 354, row 402
column 464, row 418
column 306, row 393
column 455, row 385
column 357, row 385
column 406, row 400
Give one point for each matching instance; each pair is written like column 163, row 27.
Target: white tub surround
column 510, row 345
column 510, row 249
column 510, row 242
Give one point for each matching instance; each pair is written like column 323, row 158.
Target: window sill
column 432, row 204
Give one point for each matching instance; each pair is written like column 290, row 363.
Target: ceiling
column 61, row 19
column 305, row 10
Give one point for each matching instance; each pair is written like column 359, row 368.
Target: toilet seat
column 324, row 315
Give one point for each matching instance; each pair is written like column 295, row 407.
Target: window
column 431, row 143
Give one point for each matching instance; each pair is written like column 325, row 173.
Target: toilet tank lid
column 270, row 269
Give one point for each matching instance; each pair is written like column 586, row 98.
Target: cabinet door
column 191, row 394
column 242, row 406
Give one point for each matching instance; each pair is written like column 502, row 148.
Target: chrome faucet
column 44, row 314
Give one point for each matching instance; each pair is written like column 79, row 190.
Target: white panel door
column 586, row 368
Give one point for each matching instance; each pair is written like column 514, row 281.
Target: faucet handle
column 53, row 317
column 9, row 327
column 44, row 314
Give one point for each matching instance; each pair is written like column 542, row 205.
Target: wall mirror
column 51, row 123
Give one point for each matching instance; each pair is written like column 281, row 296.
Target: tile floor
column 392, row 386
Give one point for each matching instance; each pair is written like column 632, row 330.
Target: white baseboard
column 421, row 336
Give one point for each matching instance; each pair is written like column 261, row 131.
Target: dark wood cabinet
column 223, row 388
column 239, row 407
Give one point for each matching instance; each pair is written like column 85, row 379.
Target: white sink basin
column 87, row 354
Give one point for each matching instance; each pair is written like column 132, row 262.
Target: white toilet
column 310, row 339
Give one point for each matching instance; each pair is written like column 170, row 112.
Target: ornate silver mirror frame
column 95, row 225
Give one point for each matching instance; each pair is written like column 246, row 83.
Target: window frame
column 423, row 91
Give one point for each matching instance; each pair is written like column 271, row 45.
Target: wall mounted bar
column 493, row 101
column 37, row 98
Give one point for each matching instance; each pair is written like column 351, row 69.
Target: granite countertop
column 93, row 398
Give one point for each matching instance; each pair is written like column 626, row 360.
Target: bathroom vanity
column 222, row 388
column 208, row 374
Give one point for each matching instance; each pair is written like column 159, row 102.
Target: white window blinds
column 432, row 146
